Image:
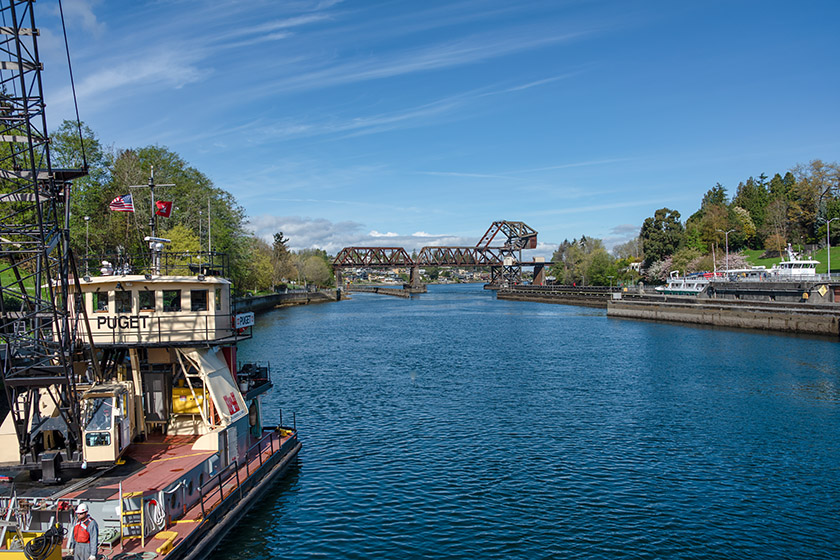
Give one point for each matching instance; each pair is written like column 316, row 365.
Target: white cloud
column 81, row 12
column 307, row 233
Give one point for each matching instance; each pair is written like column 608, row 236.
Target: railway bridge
column 499, row 249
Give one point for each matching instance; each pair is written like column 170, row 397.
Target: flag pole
column 153, row 215
column 153, row 240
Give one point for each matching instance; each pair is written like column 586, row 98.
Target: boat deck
column 148, row 466
column 163, row 461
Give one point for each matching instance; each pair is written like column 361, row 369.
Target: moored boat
column 171, row 434
column 794, row 267
column 688, row 285
column 126, row 398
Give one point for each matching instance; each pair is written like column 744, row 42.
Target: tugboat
column 126, row 399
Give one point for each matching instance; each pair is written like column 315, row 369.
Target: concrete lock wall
column 794, row 320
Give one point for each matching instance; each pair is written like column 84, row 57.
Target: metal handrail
column 223, row 476
column 225, row 331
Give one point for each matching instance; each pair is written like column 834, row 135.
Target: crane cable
column 73, row 87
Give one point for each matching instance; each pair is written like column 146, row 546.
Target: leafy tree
column 661, row 235
column 776, row 225
column 685, row 259
column 258, row 276
column 87, row 194
column 314, row 266
column 182, row 239
column 744, row 228
column 631, row 250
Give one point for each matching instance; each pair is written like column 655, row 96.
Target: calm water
column 457, row 426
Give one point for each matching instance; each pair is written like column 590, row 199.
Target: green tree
column 87, row 197
column 661, row 235
column 182, row 239
column 282, row 260
column 753, row 197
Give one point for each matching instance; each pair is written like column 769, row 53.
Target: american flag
column 122, row 204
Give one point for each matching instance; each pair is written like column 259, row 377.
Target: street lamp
column 87, row 245
column 611, row 279
column 828, row 243
column 726, row 233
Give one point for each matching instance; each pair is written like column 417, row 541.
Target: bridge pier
column 539, row 274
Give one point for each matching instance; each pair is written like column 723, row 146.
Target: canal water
column 456, row 426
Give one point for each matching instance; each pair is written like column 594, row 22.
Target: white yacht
column 794, row 267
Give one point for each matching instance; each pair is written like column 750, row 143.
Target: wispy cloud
column 576, row 164
column 608, row 206
column 81, row 12
column 466, row 175
column 422, row 59
column 160, row 69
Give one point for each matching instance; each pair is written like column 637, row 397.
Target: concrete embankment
column 784, row 317
column 793, row 307
column 270, row 301
column 406, row 291
column 587, row 296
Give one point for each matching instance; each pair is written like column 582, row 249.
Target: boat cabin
column 168, row 310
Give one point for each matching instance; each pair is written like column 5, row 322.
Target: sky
column 405, row 123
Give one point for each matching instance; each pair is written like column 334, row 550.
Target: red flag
column 163, row 208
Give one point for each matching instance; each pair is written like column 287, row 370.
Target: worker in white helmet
column 84, row 535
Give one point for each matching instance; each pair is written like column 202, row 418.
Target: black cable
column 40, row 547
column 73, row 87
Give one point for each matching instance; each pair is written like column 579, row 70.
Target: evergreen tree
column 661, row 235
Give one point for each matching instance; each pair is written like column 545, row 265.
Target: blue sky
column 420, row 123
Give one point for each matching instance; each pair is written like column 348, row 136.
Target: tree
column 631, row 250
column 71, row 151
column 257, row 277
column 745, row 229
column 753, row 197
column 182, row 239
column 776, row 226
column 314, row 265
column 284, row 268
column 317, row 271
column 661, row 235
column 715, row 195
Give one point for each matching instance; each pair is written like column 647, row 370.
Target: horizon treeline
column 764, row 213
column 198, row 204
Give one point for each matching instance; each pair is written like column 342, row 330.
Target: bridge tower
column 518, row 236
column 38, row 339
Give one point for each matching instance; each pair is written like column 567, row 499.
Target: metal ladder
column 130, row 519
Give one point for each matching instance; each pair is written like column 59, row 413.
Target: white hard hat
column 82, row 508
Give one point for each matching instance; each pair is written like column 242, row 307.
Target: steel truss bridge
column 504, row 259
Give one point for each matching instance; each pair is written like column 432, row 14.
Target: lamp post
column 726, row 233
column 87, row 245
column 611, row 279
column 828, row 243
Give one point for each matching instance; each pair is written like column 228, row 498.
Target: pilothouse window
column 100, row 302
column 198, row 300
column 122, row 301
column 172, row 300
column 147, row 300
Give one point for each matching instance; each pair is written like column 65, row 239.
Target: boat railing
column 228, row 479
column 254, row 378
column 160, row 329
column 172, row 263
